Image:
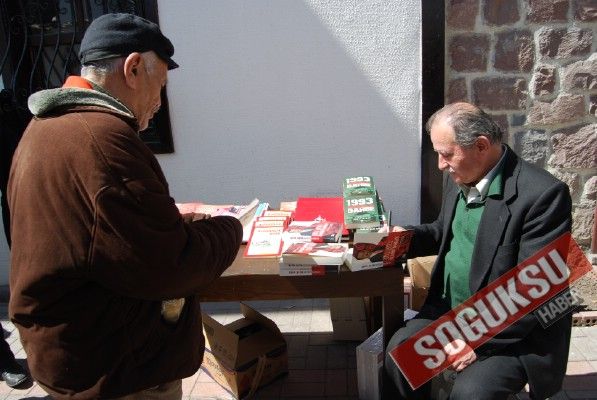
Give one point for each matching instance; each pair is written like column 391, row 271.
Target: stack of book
column 261, row 208
column 362, row 208
column 266, row 239
column 313, row 231
column 310, row 258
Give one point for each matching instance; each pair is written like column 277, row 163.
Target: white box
column 369, row 366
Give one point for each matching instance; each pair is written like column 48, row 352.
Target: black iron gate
column 39, row 43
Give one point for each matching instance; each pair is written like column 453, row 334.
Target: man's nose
column 441, row 163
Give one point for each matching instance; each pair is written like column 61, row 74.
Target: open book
column 244, row 213
column 378, row 249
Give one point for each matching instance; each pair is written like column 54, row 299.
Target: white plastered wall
column 282, row 98
column 277, row 99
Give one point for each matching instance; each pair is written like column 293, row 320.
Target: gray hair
column 102, row 67
column 109, row 66
column 468, row 121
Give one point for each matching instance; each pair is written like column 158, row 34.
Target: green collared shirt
column 467, row 215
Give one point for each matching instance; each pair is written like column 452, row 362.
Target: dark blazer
column 534, row 210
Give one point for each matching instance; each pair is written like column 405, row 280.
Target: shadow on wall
column 275, row 99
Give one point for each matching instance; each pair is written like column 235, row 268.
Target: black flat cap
column 117, row 35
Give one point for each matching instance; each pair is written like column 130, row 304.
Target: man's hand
column 461, row 355
column 200, row 216
column 397, row 228
column 190, row 217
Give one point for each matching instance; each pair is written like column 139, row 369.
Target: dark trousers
column 6, row 356
column 492, row 378
column 13, row 121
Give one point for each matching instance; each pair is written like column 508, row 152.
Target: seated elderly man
column 497, row 211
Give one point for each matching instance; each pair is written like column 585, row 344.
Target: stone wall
column 532, row 64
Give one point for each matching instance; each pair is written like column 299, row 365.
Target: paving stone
column 590, row 332
column 581, row 382
column 337, row 357
column 352, row 360
column 320, row 339
column 334, row 361
column 352, row 387
column 189, row 383
column 587, row 347
column 582, row 394
column 301, row 321
column 579, row 368
column 321, row 304
column 303, row 389
column 321, row 321
column 282, row 318
column 7, row 326
column 336, row 383
column 210, row 307
column 300, row 304
column 561, row 395
column 307, row 375
column 18, row 396
column 204, row 376
column 4, row 390
column 35, row 391
column 271, row 390
column 297, row 345
column 575, row 354
column 316, row 358
column 297, row 363
column 210, row 391
column 263, row 304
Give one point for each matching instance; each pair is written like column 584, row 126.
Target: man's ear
column 482, row 143
column 132, row 67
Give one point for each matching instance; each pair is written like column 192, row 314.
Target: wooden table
column 259, row 279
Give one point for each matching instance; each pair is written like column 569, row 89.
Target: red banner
column 515, row 294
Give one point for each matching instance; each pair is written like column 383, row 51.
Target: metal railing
column 39, row 43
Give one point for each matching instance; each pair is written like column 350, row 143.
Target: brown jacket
column 98, row 243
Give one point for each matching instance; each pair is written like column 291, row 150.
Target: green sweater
column 457, row 262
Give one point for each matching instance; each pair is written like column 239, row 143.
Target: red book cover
column 320, row 208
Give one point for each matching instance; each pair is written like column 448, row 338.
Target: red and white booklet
column 265, row 242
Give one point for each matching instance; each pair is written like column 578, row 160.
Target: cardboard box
column 349, row 318
column 369, row 367
column 419, row 270
column 245, row 354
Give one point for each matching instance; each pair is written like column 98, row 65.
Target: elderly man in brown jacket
column 98, row 243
